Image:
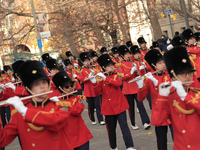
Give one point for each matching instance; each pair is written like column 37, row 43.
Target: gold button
column 174, row 101
column 180, row 115
column 183, row 131
column 106, row 91
column 188, row 146
column 28, row 130
column 33, row 144
column 156, row 88
column 109, row 99
column 56, row 138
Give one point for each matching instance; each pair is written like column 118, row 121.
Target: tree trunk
column 122, row 27
column 157, row 32
column 70, row 40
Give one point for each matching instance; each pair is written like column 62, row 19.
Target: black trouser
column 111, row 124
column 94, row 102
column 83, row 147
column 161, row 136
column 5, row 113
column 143, row 114
column 149, row 100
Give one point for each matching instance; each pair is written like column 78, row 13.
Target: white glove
column 13, row 79
column 142, row 67
column 55, row 99
column 17, row 103
column 163, row 89
column 140, row 82
column 101, row 75
column 133, row 69
column 179, row 89
column 92, row 78
column 151, row 77
column 74, row 76
column 75, row 65
column 10, row 85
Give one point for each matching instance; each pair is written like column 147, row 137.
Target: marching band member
column 114, row 105
column 53, row 68
column 193, row 50
column 130, row 71
column 93, row 97
column 179, row 100
column 143, row 47
column 116, row 58
column 45, row 57
column 8, row 76
column 150, row 85
column 40, row 123
column 76, row 131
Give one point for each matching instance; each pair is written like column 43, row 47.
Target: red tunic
column 41, row 128
column 149, row 87
column 126, row 69
column 143, row 53
column 53, row 88
column 184, row 116
column 195, row 56
column 113, row 100
column 76, row 130
column 78, row 86
column 88, row 85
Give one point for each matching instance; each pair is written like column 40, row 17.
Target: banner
column 43, row 25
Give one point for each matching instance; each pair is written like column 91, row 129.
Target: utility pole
column 36, row 29
column 185, row 13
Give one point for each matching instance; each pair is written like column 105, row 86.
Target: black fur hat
column 187, row 34
column 104, row 60
column 60, row 79
column 178, row 41
column 177, row 61
column 152, row 57
column 51, row 64
column 114, row 50
column 6, row 68
column 155, row 44
column 15, row 67
column 93, row 54
column 45, row 57
column 129, row 44
column 31, row 72
column 84, row 56
column 123, row 49
column 68, row 53
column 103, row 49
column 141, row 40
column 67, row 62
column 135, row 49
column 197, row 36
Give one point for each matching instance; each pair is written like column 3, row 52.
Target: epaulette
column 63, row 104
column 120, row 74
column 83, row 97
column 13, row 112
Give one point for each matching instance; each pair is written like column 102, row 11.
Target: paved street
column 143, row 139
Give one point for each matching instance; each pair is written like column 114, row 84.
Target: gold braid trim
column 35, row 128
column 13, row 112
column 192, row 57
column 126, row 66
column 187, row 112
column 64, row 103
